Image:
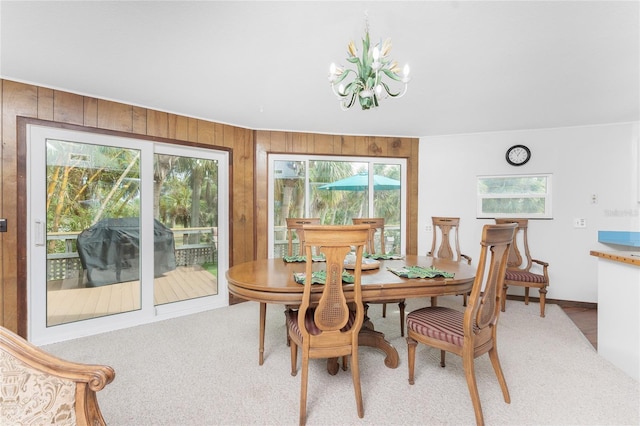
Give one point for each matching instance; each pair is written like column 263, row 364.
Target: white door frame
column 37, row 329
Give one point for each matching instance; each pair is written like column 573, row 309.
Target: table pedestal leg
column 263, row 316
column 375, row 339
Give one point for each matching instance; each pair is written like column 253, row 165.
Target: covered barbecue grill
column 110, row 251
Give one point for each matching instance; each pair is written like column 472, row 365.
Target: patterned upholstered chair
column 471, row 333
column 519, row 269
column 37, row 388
column 328, row 327
column 377, row 227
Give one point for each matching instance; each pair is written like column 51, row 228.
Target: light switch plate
column 580, row 223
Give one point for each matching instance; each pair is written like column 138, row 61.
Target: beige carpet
column 203, row 370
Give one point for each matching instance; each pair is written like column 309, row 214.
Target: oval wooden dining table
column 271, row 281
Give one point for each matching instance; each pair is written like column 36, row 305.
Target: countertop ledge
column 618, row 256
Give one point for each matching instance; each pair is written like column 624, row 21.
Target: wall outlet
column 580, row 223
column 429, row 228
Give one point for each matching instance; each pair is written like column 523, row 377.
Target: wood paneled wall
column 249, row 151
column 24, row 100
column 269, row 142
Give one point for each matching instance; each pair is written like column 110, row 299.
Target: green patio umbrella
column 360, row 182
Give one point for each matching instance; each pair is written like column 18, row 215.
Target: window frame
column 306, row 158
column 480, row 197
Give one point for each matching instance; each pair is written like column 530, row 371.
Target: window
column 527, row 196
column 336, row 191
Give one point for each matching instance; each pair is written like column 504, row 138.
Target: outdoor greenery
column 340, row 204
column 336, row 207
column 87, row 183
column 513, row 195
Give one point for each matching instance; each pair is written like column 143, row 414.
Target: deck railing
column 281, row 244
column 193, row 246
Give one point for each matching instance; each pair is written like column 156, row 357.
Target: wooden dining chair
column 328, row 327
column 295, row 232
column 37, row 388
column 445, row 233
column 377, row 227
column 519, row 269
column 471, row 333
column 294, row 229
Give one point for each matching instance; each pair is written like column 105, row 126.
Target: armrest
column 544, row 265
column 96, row 376
column 540, row 262
column 467, row 258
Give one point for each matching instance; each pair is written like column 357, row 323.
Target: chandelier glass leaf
column 365, row 83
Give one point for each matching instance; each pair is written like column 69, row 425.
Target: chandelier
column 366, row 83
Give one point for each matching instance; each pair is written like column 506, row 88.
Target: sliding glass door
column 122, row 232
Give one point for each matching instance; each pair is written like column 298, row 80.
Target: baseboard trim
column 560, row 302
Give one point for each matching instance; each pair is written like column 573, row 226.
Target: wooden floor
column 586, row 319
column 69, row 301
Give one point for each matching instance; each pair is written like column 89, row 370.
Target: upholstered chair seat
column 439, row 323
column 525, row 276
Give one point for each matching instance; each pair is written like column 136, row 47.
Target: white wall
column 601, row 160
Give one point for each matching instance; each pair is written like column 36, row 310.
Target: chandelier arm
column 395, row 95
column 351, row 101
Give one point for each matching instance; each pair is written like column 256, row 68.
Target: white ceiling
column 475, row 65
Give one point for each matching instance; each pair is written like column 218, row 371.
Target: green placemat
column 319, row 277
column 299, row 258
column 420, row 272
column 382, row 256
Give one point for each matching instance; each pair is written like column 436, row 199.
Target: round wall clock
column 518, row 155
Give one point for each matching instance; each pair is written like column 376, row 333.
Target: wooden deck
column 67, row 301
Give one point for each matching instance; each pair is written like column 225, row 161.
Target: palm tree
column 327, row 203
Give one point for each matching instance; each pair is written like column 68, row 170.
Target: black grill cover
column 110, row 251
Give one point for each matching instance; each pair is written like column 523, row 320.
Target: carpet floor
column 203, row 369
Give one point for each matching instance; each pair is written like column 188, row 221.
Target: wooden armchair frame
column 519, row 268
column 74, row 399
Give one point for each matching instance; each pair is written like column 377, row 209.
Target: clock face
column 518, row 155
